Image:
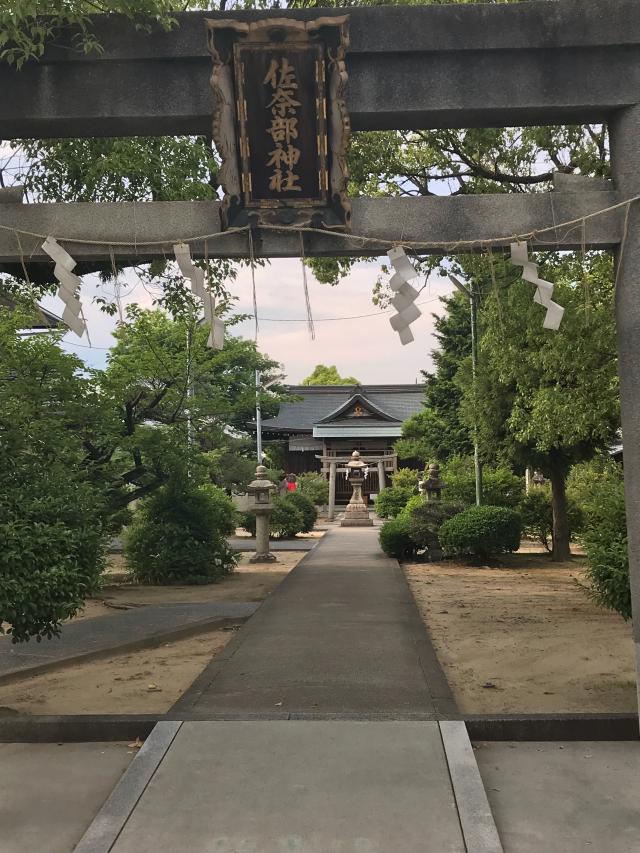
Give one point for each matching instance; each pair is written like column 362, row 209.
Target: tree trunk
column 561, row 532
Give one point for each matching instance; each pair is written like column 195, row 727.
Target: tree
column 547, row 399
column 323, row 375
column 174, row 401
column 52, row 523
column 437, row 432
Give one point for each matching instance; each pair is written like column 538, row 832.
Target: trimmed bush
column 307, row 510
column 605, row 541
column 395, row 540
column 406, row 478
column 286, row 519
column 426, row 519
column 392, row 501
column 315, row 487
column 501, row 487
column 51, row 548
column 178, row 536
column 483, row 531
column 536, row 512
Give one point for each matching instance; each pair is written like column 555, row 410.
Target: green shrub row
column 179, row 535
column 482, row 531
column 292, row 513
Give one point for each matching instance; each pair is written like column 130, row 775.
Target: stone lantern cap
column 261, row 483
column 355, row 464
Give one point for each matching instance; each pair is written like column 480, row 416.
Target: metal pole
column 258, row 419
column 473, row 301
column 189, row 392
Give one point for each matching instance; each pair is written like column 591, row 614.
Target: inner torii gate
column 571, row 61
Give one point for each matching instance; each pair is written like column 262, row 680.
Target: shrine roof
column 325, row 404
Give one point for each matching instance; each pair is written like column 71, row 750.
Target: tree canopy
column 328, row 375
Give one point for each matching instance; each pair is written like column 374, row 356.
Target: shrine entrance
column 282, row 131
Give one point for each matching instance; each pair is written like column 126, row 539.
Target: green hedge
column 501, row 487
column 178, row 536
column 425, row 521
column 605, row 541
column 536, row 512
column 286, row 519
column 395, row 540
column 392, row 500
column 307, row 510
column 314, row 486
column 484, row 531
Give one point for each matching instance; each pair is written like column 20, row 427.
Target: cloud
column 366, row 348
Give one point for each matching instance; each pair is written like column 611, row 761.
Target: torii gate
column 410, row 67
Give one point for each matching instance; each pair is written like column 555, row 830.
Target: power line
column 292, row 320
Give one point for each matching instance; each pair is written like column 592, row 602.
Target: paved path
column 341, row 635
column 339, row 640
column 299, row 787
column 245, row 543
column 126, row 629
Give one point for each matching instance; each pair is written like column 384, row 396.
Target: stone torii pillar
column 332, row 490
column 625, row 159
column 382, row 482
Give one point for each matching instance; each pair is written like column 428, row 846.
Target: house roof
column 45, row 320
column 325, row 404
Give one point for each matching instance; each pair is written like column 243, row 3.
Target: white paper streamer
column 69, row 285
column 401, row 263
column 544, row 289
column 406, row 295
column 196, row 276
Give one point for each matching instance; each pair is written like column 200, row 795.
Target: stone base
column 356, row 522
column 263, row 558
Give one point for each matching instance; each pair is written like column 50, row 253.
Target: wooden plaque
column 280, row 121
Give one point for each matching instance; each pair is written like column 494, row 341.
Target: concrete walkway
column 340, row 636
column 317, row 732
column 247, row 543
column 125, row 629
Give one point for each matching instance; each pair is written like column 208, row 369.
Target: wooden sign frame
column 299, row 175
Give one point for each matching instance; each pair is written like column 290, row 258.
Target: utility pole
column 258, row 418
column 189, row 392
column 472, row 295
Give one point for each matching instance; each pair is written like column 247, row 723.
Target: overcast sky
column 366, row 348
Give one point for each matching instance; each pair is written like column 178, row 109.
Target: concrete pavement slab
column 49, row 794
column 126, row 629
column 298, row 787
column 241, row 543
column 341, row 634
column 564, row 797
column 115, row 812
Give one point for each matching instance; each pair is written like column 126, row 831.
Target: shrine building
column 324, row 424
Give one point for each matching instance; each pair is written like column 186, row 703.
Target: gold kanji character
column 281, row 157
column 282, row 183
column 283, row 129
column 287, row 74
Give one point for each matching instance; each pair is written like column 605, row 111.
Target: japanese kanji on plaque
column 280, row 121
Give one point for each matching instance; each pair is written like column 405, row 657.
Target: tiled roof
column 318, row 401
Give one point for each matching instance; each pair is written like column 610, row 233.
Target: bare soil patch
column 524, row 638
column 149, row 681
column 249, row 582
column 142, row 682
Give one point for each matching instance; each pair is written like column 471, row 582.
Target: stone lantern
column 431, row 488
column 260, row 505
column 356, row 514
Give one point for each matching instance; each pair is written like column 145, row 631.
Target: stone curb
column 120, row 648
column 84, row 728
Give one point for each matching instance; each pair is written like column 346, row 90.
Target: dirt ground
column 249, row 582
column 141, row 682
column 525, row 638
column 151, row 680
